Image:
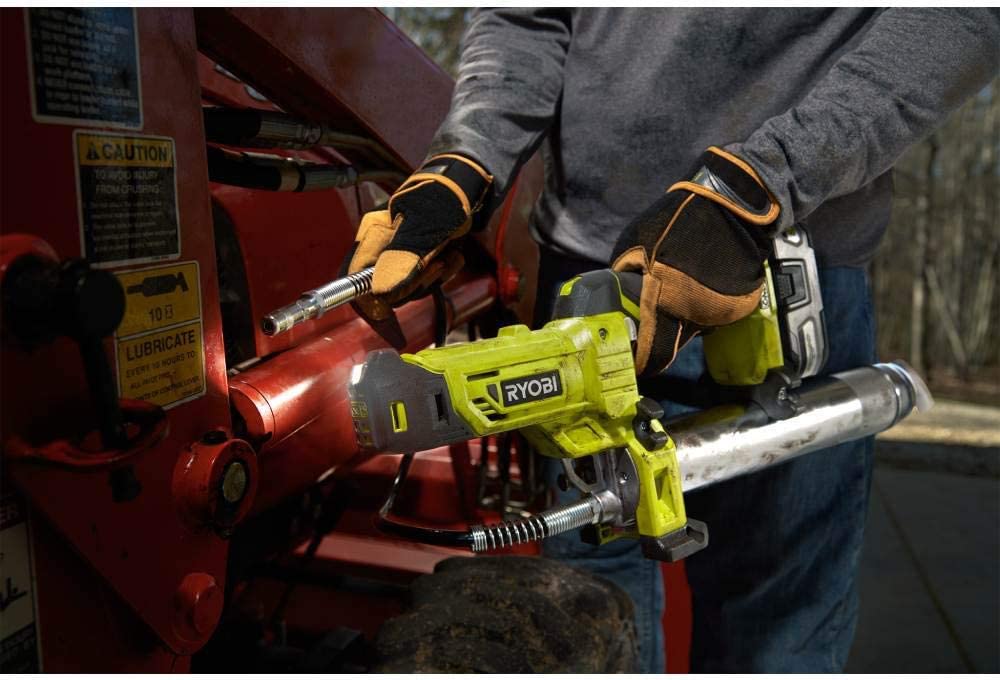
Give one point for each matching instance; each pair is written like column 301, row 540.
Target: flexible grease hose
column 486, row 537
column 312, row 304
column 576, row 515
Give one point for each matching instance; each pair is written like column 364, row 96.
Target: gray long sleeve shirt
column 821, row 102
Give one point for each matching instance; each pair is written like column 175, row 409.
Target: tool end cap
column 923, row 400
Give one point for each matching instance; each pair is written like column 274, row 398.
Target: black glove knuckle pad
column 432, row 213
column 712, row 246
column 704, row 244
column 646, row 229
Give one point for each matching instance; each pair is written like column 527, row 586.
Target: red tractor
column 179, row 489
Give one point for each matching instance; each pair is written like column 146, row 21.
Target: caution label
column 18, row 627
column 84, row 65
column 127, row 192
column 159, row 344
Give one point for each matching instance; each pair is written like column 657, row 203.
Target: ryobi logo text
column 531, row 388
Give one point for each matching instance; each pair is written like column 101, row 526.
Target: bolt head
column 198, row 602
column 234, row 482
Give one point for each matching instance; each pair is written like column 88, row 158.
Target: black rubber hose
column 276, row 174
column 236, row 127
column 225, row 170
column 444, row 537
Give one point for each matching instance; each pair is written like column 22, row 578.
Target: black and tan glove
column 701, row 249
column 411, row 243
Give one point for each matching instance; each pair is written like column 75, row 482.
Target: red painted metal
column 340, row 67
column 312, row 230
column 297, row 401
column 200, row 484
column 677, row 618
column 140, row 549
column 508, row 239
column 16, row 246
column 145, row 427
column 84, row 624
column 198, row 602
column 368, row 552
column 138, row 586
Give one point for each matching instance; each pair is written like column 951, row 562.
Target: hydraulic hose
column 481, row 538
column 450, row 538
column 273, row 173
column 274, row 129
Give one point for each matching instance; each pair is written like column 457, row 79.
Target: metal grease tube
column 729, row 441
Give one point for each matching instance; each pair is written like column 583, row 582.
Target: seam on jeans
column 649, row 623
column 842, row 617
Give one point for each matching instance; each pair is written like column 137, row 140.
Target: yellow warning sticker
column 164, row 367
column 159, row 343
column 127, row 197
column 124, row 151
column 159, row 297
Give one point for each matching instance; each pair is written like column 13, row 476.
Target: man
column 752, row 120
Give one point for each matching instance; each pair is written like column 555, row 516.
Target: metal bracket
column 775, row 395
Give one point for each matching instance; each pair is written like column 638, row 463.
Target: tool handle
column 312, row 304
column 599, row 292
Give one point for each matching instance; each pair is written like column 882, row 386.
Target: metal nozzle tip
column 269, row 325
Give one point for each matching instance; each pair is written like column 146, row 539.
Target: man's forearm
column 909, row 72
column 508, row 88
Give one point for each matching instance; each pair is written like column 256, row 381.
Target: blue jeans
column 775, row 590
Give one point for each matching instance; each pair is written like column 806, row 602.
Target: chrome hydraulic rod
column 312, row 304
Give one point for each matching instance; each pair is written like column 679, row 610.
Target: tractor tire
column 510, row 614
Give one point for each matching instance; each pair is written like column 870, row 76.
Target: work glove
column 411, row 242
column 701, row 250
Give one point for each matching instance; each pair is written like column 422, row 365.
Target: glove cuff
column 733, row 184
column 468, row 180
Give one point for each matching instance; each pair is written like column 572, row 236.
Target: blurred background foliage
column 438, row 31
column 935, row 278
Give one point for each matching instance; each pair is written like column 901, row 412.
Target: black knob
column 91, row 301
column 648, row 409
column 43, row 300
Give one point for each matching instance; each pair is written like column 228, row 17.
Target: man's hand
column 701, row 250
column 408, row 243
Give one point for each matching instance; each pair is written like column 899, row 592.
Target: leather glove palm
column 409, row 242
column 701, row 249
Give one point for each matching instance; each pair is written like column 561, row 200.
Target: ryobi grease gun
column 570, row 389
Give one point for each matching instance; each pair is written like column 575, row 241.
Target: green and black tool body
column 570, row 388
column 784, row 340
